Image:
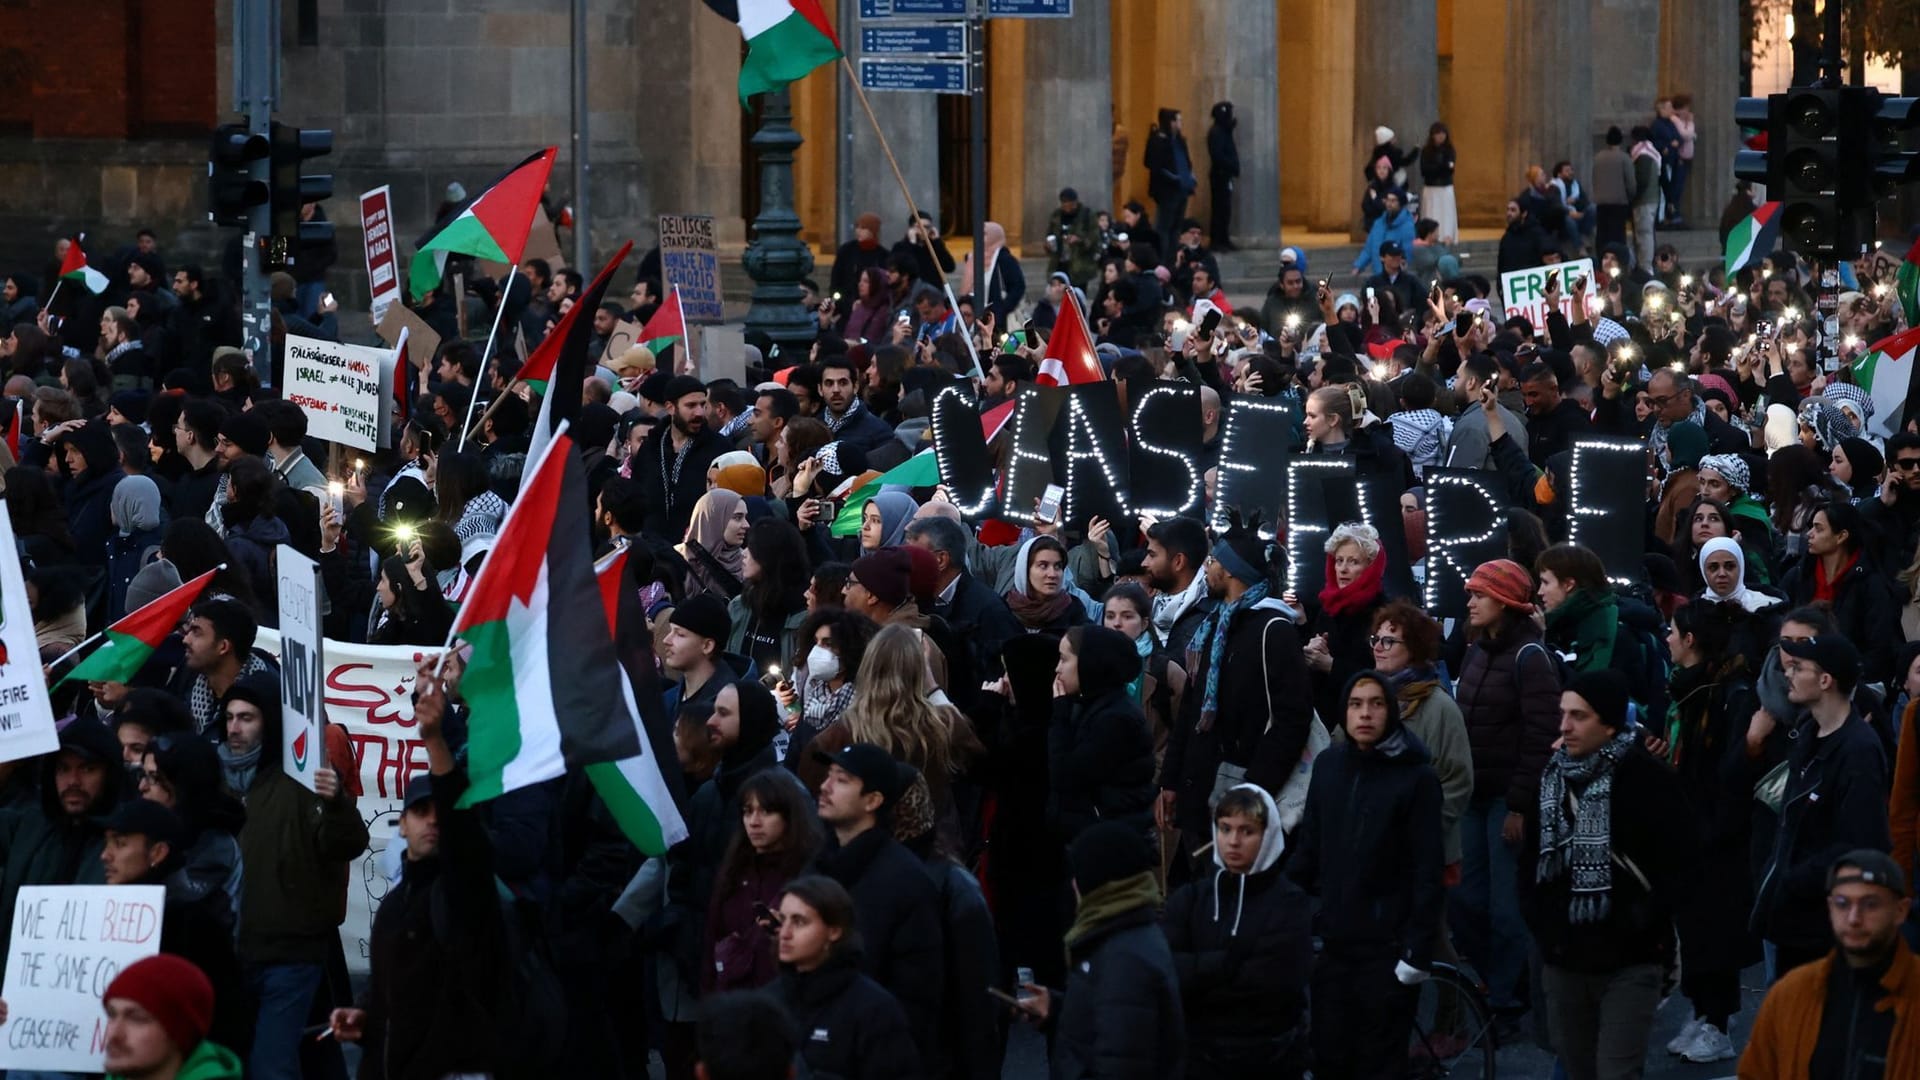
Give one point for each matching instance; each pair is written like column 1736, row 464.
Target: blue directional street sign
column 1028, row 9
column 886, row 9
column 926, row 76
column 917, row 39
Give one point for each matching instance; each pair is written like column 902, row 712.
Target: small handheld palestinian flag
column 74, row 268
column 491, row 225
column 786, row 39
column 1754, row 238
column 667, row 327
column 1908, row 285
column 133, row 639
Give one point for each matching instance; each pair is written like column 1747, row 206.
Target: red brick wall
column 137, row 68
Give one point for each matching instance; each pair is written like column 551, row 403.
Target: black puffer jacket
column 1265, row 705
column 1370, row 845
column 1835, row 801
column 849, row 1025
column 1120, row 1016
column 897, row 910
column 1099, row 745
column 1511, row 704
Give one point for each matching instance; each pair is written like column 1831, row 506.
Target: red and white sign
column 383, row 266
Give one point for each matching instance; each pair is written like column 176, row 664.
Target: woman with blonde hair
column 893, row 708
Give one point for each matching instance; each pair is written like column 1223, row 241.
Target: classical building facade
column 104, row 129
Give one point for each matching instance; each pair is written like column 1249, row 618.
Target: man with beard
column 1176, row 552
column 59, row 840
column 672, row 464
column 842, row 410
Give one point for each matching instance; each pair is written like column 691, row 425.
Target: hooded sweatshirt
column 1099, row 744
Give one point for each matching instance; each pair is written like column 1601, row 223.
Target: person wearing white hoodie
column 1242, row 941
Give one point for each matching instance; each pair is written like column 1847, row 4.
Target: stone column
column 1237, row 65
column 1700, row 55
column 1067, row 139
column 912, row 127
column 1550, row 85
column 1396, row 81
column 685, row 71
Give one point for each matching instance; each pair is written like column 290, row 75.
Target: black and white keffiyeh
column 1576, row 826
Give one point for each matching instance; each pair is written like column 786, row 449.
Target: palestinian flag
column 403, row 370
column 920, row 470
column 74, row 268
column 540, row 364
column 1754, row 238
column 1885, row 372
column 544, row 687
column 1908, row 285
column 491, row 225
column 786, row 39
column 132, row 640
column 1070, row 359
column 667, row 327
column 563, row 357
column 633, row 788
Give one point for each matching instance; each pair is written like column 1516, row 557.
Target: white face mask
column 822, row 664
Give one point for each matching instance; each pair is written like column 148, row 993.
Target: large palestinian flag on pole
column 1885, row 372
column 133, row 639
column 634, row 789
column 786, row 39
column 544, row 684
column 1753, row 239
column 491, row 225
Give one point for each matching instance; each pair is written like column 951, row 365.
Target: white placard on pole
column 302, row 669
column 69, row 941
column 26, row 718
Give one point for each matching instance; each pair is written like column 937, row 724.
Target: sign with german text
column 339, row 387
column 68, row 944
column 383, row 265
column 689, row 259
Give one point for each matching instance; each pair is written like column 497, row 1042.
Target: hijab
column 708, row 529
column 1034, row 612
column 1741, row 595
column 896, row 509
column 136, row 505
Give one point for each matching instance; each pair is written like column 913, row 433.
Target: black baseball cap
column 875, row 768
column 1868, row 867
column 419, row 790
column 1835, row 655
column 144, row 817
column 1392, row 247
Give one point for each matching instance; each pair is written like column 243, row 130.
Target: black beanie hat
column 1106, row 853
column 1606, row 691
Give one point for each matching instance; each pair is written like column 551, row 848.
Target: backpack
column 527, row 1012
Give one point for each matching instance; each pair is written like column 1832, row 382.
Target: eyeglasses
column 1660, row 402
column 1382, row 641
column 1868, row 905
column 1907, row 464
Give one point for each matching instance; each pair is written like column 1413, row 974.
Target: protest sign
column 1093, row 451
column 625, row 335
column 1163, row 459
column 69, row 942
column 383, row 266
column 26, row 719
column 1029, row 466
column 960, row 450
column 1254, row 447
column 1524, row 291
column 301, row 665
column 1607, row 504
column 423, row 342
column 1466, row 526
column 1318, row 498
column 689, row 259
column 339, row 387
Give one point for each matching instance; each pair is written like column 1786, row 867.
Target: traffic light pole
column 256, row 90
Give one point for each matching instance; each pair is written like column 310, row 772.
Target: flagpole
column 486, row 357
column 686, row 336
column 48, row 306
column 58, row 660
column 925, row 238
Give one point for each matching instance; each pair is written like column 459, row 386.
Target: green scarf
column 1109, row 902
column 1586, row 623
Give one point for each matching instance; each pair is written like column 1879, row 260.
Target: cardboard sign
column 1524, row 291
column 1163, row 458
column 302, row 668
column 960, row 449
column 1093, row 455
column 1030, row 463
column 626, row 334
column 1607, row 507
column 423, row 343
column 383, row 266
column 26, row 719
column 339, row 387
column 69, row 942
column 1255, row 443
column 1466, row 526
column 689, row 259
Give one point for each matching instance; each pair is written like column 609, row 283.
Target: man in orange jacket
column 1860, row 1006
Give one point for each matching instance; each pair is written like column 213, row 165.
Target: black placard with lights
column 1256, row 441
column 1030, row 459
column 1607, row 504
column 966, row 466
column 1090, row 452
column 1466, row 526
column 1324, row 492
column 1163, row 459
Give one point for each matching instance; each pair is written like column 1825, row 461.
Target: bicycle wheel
column 1453, row 1032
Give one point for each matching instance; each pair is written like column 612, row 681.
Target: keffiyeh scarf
column 1580, row 837
column 1216, row 639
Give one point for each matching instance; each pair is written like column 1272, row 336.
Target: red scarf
column 1365, row 589
column 1823, row 592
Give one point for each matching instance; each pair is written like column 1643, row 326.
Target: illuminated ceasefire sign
column 955, row 400
column 1303, row 535
column 1194, row 482
column 1020, row 501
column 1083, row 444
column 1440, row 546
column 1608, row 455
column 1231, row 469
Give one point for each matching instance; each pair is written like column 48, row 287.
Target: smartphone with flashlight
column 337, row 499
column 1049, row 509
column 1210, row 323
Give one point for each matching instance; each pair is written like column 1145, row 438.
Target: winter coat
column 849, row 1025
column 972, row 1029
column 864, row 429
column 1265, row 700
column 1469, row 448
column 1866, row 610
column 849, row 263
column 436, row 957
column 126, row 555
column 1522, row 245
column 1120, row 1017
column 1395, row 228
column 41, row 844
column 1612, row 177
column 1511, row 705
column 1649, row 830
column 897, row 910
column 1709, row 738
column 1370, row 844
column 1099, row 745
column 1436, row 721
column 1165, row 181
column 1787, row 1028
column 1835, row 801
column 296, row 847
column 739, row 951
column 982, row 619
column 1243, row 950
column 253, row 544
column 670, row 496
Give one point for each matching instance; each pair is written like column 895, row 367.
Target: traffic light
column 1803, row 155
column 232, row 188
column 1894, row 166
column 292, row 189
